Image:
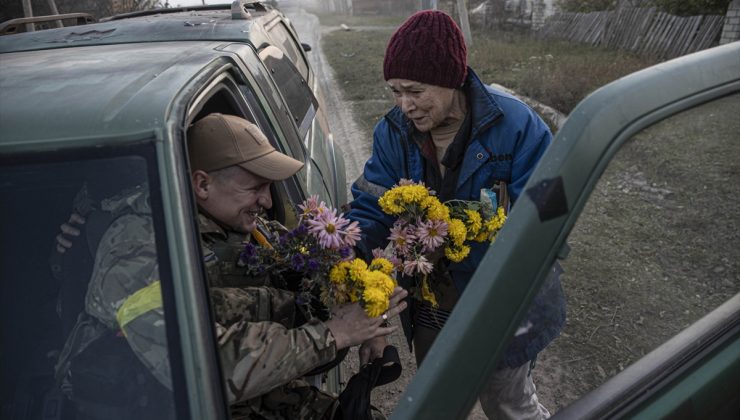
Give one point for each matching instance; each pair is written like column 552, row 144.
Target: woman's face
column 427, row 106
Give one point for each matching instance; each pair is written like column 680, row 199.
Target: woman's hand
column 350, row 325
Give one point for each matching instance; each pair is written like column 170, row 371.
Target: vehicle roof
column 103, row 90
column 181, row 24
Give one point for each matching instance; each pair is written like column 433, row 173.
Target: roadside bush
column 586, row 5
column 692, row 7
column 558, row 74
column 674, row 7
column 562, row 83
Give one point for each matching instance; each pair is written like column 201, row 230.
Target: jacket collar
column 484, row 108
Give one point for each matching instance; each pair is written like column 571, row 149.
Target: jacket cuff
column 324, row 341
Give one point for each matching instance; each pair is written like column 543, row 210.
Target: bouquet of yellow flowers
column 427, row 230
column 314, row 260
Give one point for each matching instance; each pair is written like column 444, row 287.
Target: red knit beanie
column 428, row 48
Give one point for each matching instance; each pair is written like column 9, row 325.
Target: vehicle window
column 280, row 34
column 298, row 96
column 83, row 332
column 319, row 173
column 656, row 248
column 292, row 190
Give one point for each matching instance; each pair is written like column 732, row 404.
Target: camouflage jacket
column 260, row 350
column 242, row 304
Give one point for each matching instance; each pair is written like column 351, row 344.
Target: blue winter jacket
column 507, row 140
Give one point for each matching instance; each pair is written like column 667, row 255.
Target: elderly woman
column 463, row 140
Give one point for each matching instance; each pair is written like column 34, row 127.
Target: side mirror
column 306, row 47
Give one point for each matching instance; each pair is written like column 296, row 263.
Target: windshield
column 83, row 331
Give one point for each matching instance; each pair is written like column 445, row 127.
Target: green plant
column 692, row 7
column 674, row 7
column 586, row 5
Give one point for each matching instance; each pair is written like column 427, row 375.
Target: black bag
column 354, row 401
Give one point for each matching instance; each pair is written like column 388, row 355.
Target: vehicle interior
column 43, row 291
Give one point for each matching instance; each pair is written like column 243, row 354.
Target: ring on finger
column 384, row 316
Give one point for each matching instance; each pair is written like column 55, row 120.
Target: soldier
column 263, row 355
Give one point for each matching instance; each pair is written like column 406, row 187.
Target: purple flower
column 248, row 251
column 345, row 252
column 313, row 265
column 298, row 262
column 301, row 230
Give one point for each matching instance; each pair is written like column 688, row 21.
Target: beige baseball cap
column 218, row 141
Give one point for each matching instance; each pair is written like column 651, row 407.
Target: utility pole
column 462, row 11
column 428, row 4
column 54, row 11
column 28, row 12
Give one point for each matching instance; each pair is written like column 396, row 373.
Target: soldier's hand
column 350, row 325
column 69, row 232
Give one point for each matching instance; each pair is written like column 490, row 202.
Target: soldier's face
column 236, row 198
column 427, row 106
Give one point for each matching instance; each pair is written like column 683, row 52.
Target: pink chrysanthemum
column 420, row 265
column 431, row 233
column 327, row 228
column 378, row 253
column 311, row 207
column 351, row 233
column 401, row 237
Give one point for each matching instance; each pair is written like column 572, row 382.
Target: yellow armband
column 141, row 302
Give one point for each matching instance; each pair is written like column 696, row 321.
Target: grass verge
column 557, row 74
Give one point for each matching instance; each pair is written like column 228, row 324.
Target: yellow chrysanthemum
column 413, row 194
column 379, row 280
column 456, row 230
column 473, row 223
column 381, row 264
column 342, row 293
column 396, row 200
column 357, row 268
column 457, row 254
column 495, row 223
column 375, row 301
column 389, row 203
column 427, row 294
column 338, row 273
column 354, row 295
column 482, row 236
column 437, row 210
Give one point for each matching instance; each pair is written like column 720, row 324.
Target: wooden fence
column 640, row 30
